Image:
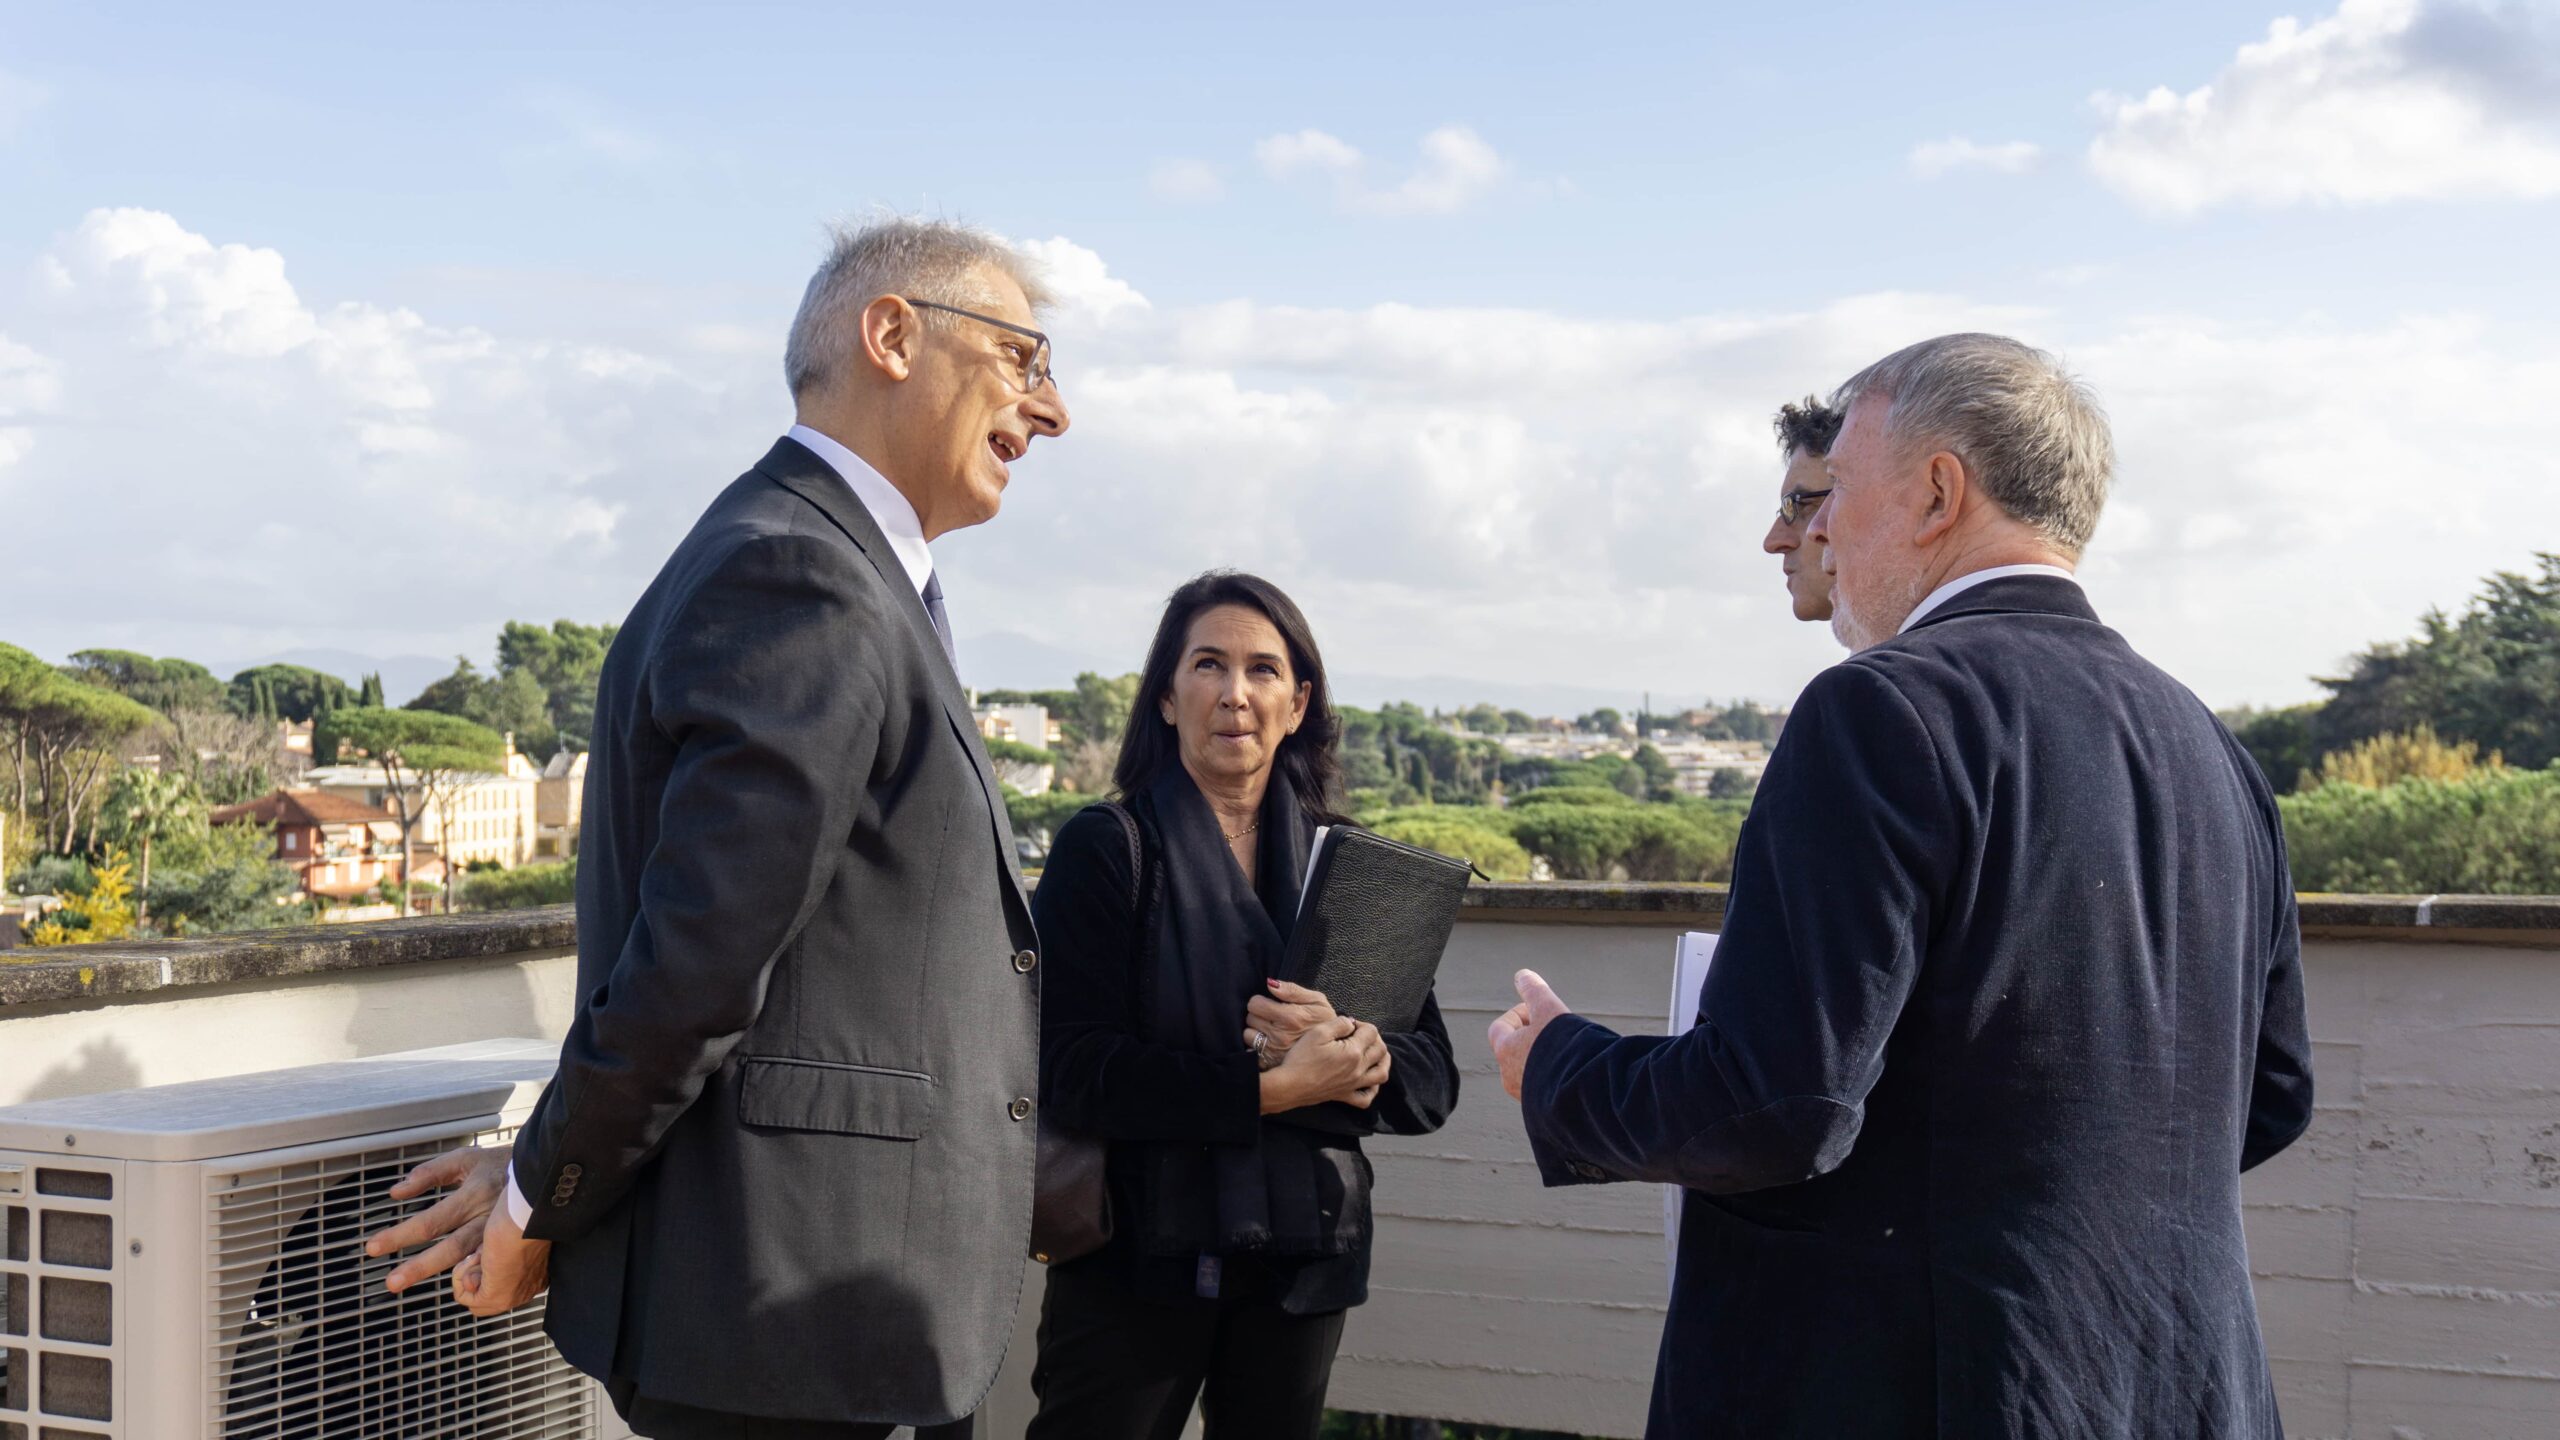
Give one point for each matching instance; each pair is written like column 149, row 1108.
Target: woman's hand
column 1338, row 1059
column 1279, row 1018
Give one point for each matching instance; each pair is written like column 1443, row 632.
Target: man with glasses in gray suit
column 781, row 1184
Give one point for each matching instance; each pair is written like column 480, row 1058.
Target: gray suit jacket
column 786, row 1163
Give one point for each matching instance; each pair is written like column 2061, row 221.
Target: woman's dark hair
column 1309, row 762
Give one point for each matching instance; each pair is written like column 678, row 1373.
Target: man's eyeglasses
column 1032, row 361
column 1796, row 506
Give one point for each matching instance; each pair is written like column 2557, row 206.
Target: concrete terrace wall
column 2407, row 1251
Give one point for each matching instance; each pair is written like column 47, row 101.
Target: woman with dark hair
column 1232, row 1103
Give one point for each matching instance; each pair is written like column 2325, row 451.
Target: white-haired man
column 2009, row 991
column 781, row 1184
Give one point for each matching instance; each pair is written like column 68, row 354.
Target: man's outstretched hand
column 478, row 1180
column 1521, row 1025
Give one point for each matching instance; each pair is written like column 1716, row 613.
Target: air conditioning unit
column 187, row 1262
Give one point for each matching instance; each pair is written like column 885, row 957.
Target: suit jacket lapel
column 793, row 466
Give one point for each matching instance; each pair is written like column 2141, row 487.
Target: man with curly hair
column 1805, row 432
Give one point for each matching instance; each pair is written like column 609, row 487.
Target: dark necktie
column 941, row 618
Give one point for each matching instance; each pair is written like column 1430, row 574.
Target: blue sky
column 1464, row 322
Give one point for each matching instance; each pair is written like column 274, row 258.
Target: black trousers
column 1112, row 1364
column 659, row 1420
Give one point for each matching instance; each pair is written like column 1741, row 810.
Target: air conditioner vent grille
column 309, row 1346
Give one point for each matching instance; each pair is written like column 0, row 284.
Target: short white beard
column 1850, row 627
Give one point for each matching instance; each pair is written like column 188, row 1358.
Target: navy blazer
column 2009, row 994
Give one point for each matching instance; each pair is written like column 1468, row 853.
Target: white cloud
column 1456, row 169
column 1186, row 180
column 1282, row 156
column 2385, row 100
column 286, row 473
column 30, row 385
column 1500, row 493
column 1085, row 288
column 1937, row 157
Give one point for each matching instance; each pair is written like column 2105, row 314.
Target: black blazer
column 2009, row 994
column 787, row 1159
column 1101, row 1076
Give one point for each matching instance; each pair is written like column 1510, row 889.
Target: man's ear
column 1948, row 491
column 891, row 333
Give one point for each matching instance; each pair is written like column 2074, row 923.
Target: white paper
column 1307, row 882
column 1688, row 979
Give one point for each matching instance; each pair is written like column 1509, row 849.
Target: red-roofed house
column 342, row 847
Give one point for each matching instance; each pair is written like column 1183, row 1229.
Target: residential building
column 1695, row 762
column 1021, row 724
column 341, row 847
column 559, row 798
column 492, row 818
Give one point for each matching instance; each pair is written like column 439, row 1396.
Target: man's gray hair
column 2028, row 433
column 936, row 260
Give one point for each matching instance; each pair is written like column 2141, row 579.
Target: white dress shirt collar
column 889, row 509
column 1962, row 583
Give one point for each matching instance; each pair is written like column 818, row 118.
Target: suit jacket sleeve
column 1098, row 1073
column 767, row 679
column 2280, row 1092
column 1835, row 887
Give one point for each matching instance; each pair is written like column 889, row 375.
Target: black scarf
column 1217, row 940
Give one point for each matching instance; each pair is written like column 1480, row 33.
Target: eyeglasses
column 1796, row 505
column 1033, row 363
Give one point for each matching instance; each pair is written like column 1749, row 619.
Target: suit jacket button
column 1020, row 1109
column 1023, row 960
column 570, row 1172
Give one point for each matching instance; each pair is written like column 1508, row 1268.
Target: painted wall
column 2407, row 1251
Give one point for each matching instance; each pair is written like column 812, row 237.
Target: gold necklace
column 1249, row 829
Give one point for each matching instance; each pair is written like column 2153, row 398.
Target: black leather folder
column 1372, row 924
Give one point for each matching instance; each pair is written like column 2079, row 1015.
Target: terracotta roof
column 304, row 807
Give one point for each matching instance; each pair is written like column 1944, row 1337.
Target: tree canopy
column 164, row 685
column 65, row 738
column 288, row 692
column 2489, row 676
column 419, row 740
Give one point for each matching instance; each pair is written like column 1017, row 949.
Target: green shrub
column 2492, row 833
column 522, row 888
column 64, row 875
column 1015, row 752
column 1037, row 818
column 1602, row 797
column 224, row 879
column 1458, row 831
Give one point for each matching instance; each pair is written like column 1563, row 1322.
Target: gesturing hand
column 1521, row 1025
column 478, row 1178
column 1288, row 1012
column 1338, row 1059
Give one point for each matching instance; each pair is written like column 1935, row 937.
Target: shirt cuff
column 517, row 1210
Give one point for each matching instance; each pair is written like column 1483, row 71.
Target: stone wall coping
column 134, row 970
